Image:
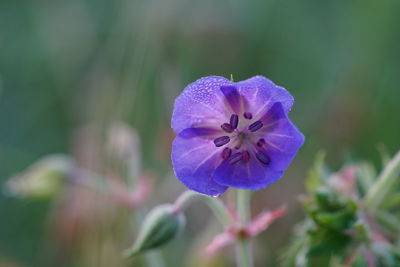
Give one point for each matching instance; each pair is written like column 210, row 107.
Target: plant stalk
column 215, row 204
column 244, row 256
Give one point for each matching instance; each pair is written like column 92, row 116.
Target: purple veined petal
column 201, row 102
column 195, row 161
column 262, row 93
column 281, row 138
column 199, row 132
column 273, row 116
column 252, row 175
column 232, row 97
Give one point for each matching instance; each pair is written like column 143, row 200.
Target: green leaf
column 316, row 174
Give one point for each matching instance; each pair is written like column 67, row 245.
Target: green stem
column 216, row 205
column 385, row 182
column 154, row 259
column 244, row 257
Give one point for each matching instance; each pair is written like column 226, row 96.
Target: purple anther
column 248, row 115
column 234, row 121
column 261, row 142
column 220, row 141
column 226, row 153
column 255, row 126
column 235, row 158
column 246, row 156
column 227, row 127
column 263, row 158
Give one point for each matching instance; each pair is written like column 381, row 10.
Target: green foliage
column 339, row 229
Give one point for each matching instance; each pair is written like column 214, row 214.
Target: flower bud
column 44, row 179
column 159, row 227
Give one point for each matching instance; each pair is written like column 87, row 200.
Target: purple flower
column 232, row 134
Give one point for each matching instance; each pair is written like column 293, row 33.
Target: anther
column 263, row 158
column 245, row 156
column 235, row 158
column 248, row 115
column 261, row 142
column 227, row 127
column 255, row 126
column 234, row 121
column 220, row 141
column 226, row 153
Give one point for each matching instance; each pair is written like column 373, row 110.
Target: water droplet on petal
column 214, row 192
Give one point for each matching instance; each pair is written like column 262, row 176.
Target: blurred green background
column 68, row 64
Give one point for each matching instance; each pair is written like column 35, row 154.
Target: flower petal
column 197, row 132
column 200, row 102
column 195, row 161
column 232, row 96
column 262, row 94
column 251, row 175
column 282, row 138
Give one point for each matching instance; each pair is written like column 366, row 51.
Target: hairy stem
column 215, row 204
column 244, row 257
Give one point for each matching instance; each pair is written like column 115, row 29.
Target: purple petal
column 262, row 94
column 282, row 138
column 251, row 175
column 232, row 96
column 197, row 132
column 195, row 161
column 201, row 102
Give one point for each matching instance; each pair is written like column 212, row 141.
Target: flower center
column 246, row 140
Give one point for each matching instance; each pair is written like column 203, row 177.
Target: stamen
column 248, row 115
column 227, row 127
column 261, row 142
column 235, row 158
column 220, row 141
column 226, row 153
column 246, row 156
column 234, row 121
column 255, row 126
column 263, row 158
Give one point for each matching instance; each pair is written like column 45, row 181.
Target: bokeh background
column 71, row 65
